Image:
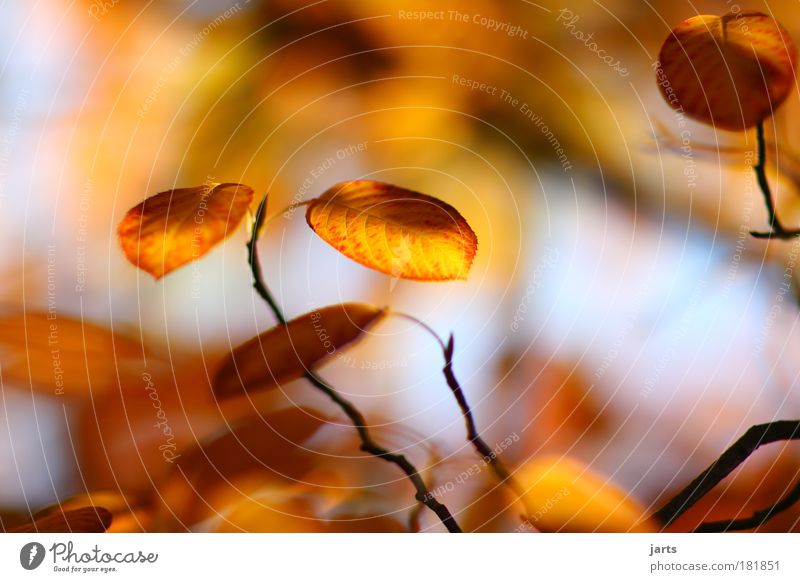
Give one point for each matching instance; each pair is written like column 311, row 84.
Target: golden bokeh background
column 616, row 313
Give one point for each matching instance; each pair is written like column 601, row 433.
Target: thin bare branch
column 756, row 436
column 368, row 445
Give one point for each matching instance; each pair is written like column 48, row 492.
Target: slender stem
column 368, row 445
column 473, row 436
column 489, row 456
column 758, row 518
column 472, row 431
column 255, row 264
column 776, row 228
column 756, row 436
column 761, row 174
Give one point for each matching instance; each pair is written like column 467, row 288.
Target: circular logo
column 31, row 555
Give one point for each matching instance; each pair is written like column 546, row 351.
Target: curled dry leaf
column 568, row 497
column 128, row 516
column 128, row 437
column 285, row 352
column 90, row 519
column 396, row 231
column 263, row 447
column 60, row 355
column 729, row 71
column 172, row 228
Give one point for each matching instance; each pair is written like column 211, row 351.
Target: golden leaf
column 285, row 352
column 567, row 496
column 61, row 355
column 172, row 228
column 90, row 519
column 396, row 231
column 729, row 71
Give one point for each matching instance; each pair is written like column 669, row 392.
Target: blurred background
column 617, row 311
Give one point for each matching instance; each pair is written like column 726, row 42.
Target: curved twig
column 368, row 445
column 473, row 436
column 758, row 518
column 776, row 228
column 255, row 265
column 735, row 455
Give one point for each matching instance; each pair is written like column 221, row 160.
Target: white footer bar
column 409, row 557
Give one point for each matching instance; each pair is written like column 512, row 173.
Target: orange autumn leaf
column 263, row 441
column 272, row 508
column 262, row 448
column 128, row 516
column 567, row 496
column 60, row 355
column 90, row 519
column 285, row 352
column 729, row 71
column 283, row 506
column 172, row 228
column 127, row 437
column 396, row 231
column 492, row 509
column 364, row 524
